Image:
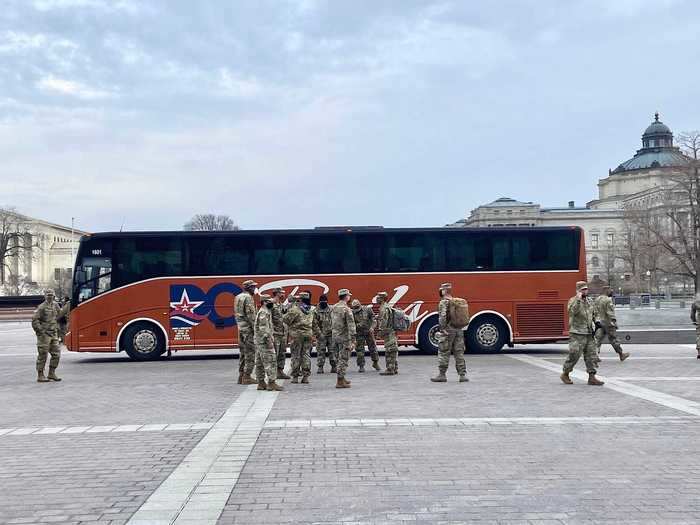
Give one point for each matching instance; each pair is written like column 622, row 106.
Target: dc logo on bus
column 190, row 305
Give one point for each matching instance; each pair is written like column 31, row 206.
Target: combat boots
column 624, row 355
column 387, row 372
column 342, row 383
column 52, row 376
column 440, row 378
column 272, row 386
column 361, row 368
column 281, row 374
column 593, row 380
column 262, row 385
column 565, row 378
column 463, row 378
column 41, row 378
column 376, row 366
column 320, row 370
column 247, row 380
column 295, row 380
column 305, row 380
column 334, row 369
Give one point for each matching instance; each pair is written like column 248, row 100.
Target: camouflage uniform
column 280, row 335
column 451, row 341
column 343, row 333
column 63, row 320
column 388, row 334
column 245, row 318
column 265, row 356
column 605, row 314
column 45, row 325
column 694, row 309
column 364, row 324
column 323, row 332
column 299, row 321
column 581, row 322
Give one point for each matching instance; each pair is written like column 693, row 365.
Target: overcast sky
column 300, row 113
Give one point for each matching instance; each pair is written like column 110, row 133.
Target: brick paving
column 513, row 445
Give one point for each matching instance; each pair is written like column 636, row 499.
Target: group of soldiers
column 263, row 335
column 50, row 324
column 590, row 321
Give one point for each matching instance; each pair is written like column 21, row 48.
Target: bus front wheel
column 143, row 341
column 486, row 333
column 427, row 335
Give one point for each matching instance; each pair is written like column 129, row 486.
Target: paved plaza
column 178, row 441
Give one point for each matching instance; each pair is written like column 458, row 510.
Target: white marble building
column 46, row 257
column 635, row 181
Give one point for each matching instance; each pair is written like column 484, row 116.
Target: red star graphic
column 185, row 305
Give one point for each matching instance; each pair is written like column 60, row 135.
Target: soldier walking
column 299, row 321
column 581, row 327
column 388, row 334
column 694, row 317
column 607, row 322
column 279, row 331
column 265, row 354
column 364, row 324
column 343, row 334
column 322, row 328
column 451, row 339
column 244, row 306
column 45, row 325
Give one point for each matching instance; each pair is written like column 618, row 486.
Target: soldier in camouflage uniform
column 694, row 309
column 607, row 323
column 343, row 334
column 581, row 325
column 63, row 320
column 265, row 355
column 388, row 334
column 323, row 334
column 299, row 321
column 280, row 331
column 364, row 324
column 244, row 306
column 451, row 340
column 45, row 325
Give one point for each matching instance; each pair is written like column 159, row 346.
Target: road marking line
column 199, row 487
column 632, row 358
column 472, row 421
column 104, row 429
column 662, row 378
column 667, row 400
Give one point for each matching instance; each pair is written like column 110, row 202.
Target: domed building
column 636, row 182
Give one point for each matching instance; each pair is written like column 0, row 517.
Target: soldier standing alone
column 694, row 309
column 364, row 324
column 343, row 334
column 45, row 325
column 322, row 327
column 607, row 322
column 581, row 325
column 299, row 320
column 265, row 355
column 244, row 306
column 388, row 334
column 451, row 339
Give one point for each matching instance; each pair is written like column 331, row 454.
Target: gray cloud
column 376, row 112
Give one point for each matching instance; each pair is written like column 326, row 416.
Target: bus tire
column 143, row 341
column 426, row 335
column 486, row 333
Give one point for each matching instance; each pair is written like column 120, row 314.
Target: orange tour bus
column 147, row 293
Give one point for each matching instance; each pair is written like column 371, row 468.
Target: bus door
column 92, row 278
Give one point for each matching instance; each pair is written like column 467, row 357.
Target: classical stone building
column 43, row 255
column 636, row 182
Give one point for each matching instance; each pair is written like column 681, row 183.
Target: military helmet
column 581, row 285
column 265, row 297
column 446, row 286
column 355, row 303
column 382, row 295
column 304, row 295
column 49, row 292
column 249, row 283
column 343, row 291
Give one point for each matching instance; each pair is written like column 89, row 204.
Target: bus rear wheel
column 143, row 341
column 486, row 333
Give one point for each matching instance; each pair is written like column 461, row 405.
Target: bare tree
column 210, row 222
column 16, row 243
column 670, row 225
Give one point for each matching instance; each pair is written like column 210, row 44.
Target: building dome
column 657, row 150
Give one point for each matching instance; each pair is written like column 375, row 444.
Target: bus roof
column 323, row 231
